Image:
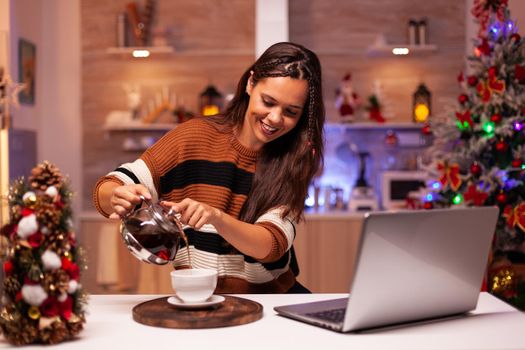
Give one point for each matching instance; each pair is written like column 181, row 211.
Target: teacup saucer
column 213, row 300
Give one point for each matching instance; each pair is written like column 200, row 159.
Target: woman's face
column 275, row 107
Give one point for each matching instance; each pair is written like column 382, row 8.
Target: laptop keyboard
column 333, row 315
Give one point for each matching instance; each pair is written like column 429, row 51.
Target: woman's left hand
column 193, row 213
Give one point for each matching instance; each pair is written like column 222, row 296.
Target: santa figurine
column 346, row 100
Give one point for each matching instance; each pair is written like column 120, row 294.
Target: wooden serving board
column 232, row 311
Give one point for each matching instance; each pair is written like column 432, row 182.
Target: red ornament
column 501, row 198
column 475, row 169
column 27, row 212
column 484, row 48
column 463, row 98
column 428, row 205
column 516, row 163
column 35, row 240
column 501, row 146
column 496, row 118
column 426, row 130
column 50, row 307
column 472, row 80
column 519, row 73
column 8, row 268
column 515, row 37
column 493, row 71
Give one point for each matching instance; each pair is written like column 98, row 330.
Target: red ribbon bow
column 482, row 10
column 450, row 175
column 465, row 117
column 515, row 216
column 493, row 84
column 472, row 194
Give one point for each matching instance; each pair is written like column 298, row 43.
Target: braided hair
column 286, row 165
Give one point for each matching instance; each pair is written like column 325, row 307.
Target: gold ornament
column 30, row 201
column 503, row 280
column 33, row 313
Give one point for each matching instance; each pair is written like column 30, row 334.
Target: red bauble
column 501, row 146
column 501, row 198
column 426, row 130
column 8, row 268
column 516, row 163
column 472, row 80
column 475, row 169
column 493, row 71
column 516, row 37
column 462, row 98
column 428, row 205
column 496, row 118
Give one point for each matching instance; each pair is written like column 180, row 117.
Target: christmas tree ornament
column 501, row 146
column 463, row 98
column 515, row 37
column 516, row 163
column 475, row 169
column 496, row 118
column 41, row 293
column 472, row 80
column 501, row 198
column 428, row 205
column 426, row 130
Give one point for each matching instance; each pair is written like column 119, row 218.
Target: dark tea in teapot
column 153, row 234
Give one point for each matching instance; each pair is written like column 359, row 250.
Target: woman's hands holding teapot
column 193, row 213
column 125, row 198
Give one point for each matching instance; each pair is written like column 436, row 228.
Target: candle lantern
column 210, row 102
column 421, row 104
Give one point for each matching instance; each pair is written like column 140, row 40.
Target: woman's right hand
column 125, row 198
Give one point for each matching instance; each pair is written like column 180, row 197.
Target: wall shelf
column 374, row 126
column 140, row 127
column 387, row 49
column 129, row 50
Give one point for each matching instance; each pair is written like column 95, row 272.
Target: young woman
column 240, row 179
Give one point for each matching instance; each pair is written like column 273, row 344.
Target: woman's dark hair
column 286, row 165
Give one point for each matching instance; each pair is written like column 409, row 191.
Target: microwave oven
column 396, row 186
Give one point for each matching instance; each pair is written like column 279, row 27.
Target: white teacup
column 194, row 285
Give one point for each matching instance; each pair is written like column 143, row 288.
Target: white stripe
column 141, row 171
column 273, row 216
column 229, row 265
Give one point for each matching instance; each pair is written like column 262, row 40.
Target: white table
column 493, row 325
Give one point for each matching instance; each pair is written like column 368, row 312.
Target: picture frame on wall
column 27, row 71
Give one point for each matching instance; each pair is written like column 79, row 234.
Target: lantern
column 421, row 105
column 210, row 101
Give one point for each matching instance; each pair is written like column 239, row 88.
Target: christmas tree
column 42, row 299
column 478, row 152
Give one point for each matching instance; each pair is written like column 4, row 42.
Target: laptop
column 410, row 266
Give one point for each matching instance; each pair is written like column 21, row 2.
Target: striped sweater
column 197, row 161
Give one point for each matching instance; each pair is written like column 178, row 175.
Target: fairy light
column 458, row 199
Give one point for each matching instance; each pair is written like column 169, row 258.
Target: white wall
column 59, row 126
column 26, row 23
column 54, row 27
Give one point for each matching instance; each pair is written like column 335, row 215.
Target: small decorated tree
column 42, row 299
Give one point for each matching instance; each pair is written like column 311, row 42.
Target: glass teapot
column 152, row 234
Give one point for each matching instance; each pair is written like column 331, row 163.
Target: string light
column 488, row 127
column 458, row 199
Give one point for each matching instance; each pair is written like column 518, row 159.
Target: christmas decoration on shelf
column 479, row 145
column 347, row 100
column 421, row 103
column 210, row 101
column 43, row 301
